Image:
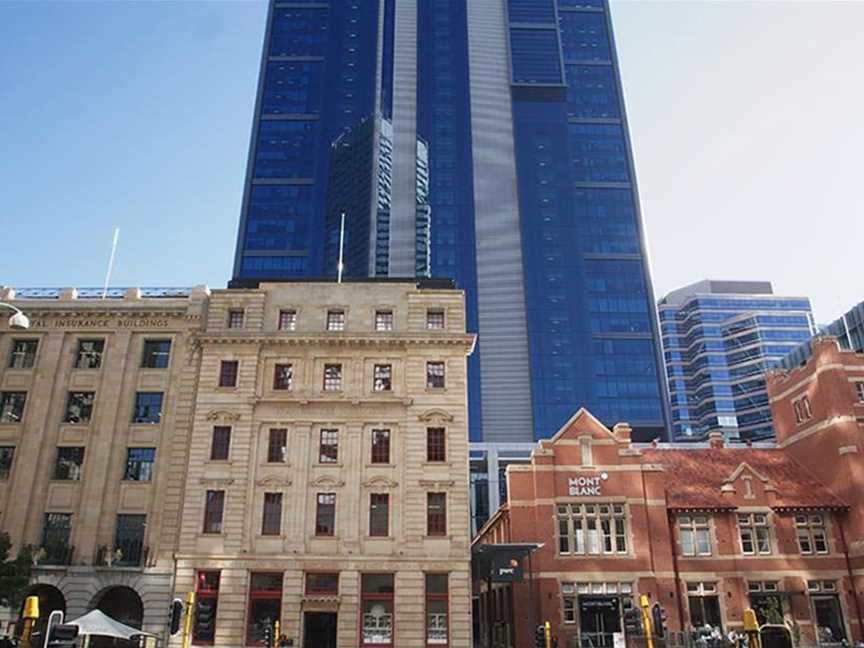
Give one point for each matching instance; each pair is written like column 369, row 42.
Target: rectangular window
column 379, row 515
column 235, row 319
column 55, row 538
column 695, row 533
column 221, row 443
column 592, row 529
column 755, row 534
column 89, row 354
column 434, row 375
column 704, row 604
column 214, row 506
column 23, row 354
column 70, row 464
column 382, row 381
column 272, row 521
column 328, row 448
column 206, row 604
column 384, row 320
column 437, row 606
column 287, row 320
column 322, row 584
column 436, row 440
column 129, row 540
column 859, row 391
column 380, row 446
column 139, row 464
column 332, row 377
column 810, row 530
column 157, row 353
column 803, row 411
column 325, row 514
column 7, row 454
column 277, row 445
column 228, row 373
column 376, row 594
column 148, row 407
column 79, row 407
column 265, row 605
column 336, row 320
column 436, row 514
column 435, row 319
column 283, row 377
column 12, row 406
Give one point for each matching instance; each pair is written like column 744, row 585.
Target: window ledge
column 436, row 464
column 327, row 464
column 390, row 465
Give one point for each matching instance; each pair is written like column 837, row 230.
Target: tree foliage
column 14, row 573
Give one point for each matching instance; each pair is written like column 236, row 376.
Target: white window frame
column 811, row 528
column 757, row 526
column 695, row 525
column 574, row 523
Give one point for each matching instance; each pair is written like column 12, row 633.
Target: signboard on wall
column 507, row 567
column 588, row 485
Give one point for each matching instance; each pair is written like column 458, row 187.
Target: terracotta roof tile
column 697, row 475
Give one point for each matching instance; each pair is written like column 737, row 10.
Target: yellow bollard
column 187, row 619
column 31, row 613
column 547, row 628
column 751, row 627
column 646, row 620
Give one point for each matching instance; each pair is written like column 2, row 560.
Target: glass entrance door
column 319, row 630
column 599, row 619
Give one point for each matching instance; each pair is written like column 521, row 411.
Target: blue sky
column 745, row 118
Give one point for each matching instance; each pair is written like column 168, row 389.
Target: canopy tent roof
column 98, row 623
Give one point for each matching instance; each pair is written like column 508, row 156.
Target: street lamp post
column 17, row 320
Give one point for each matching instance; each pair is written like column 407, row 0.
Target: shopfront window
column 704, row 604
column 827, row 613
column 592, row 529
column 265, row 605
column 597, row 608
column 377, row 608
column 437, row 604
column 766, row 601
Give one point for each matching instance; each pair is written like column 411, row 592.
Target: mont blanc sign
column 588, row 485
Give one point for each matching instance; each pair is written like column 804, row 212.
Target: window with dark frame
column 12, row 406
column 235, row 319
column 436, row 444
column 335, row 320
column 379, row 515
column 277, row 445
column 384, row 320
column 79, row 407
column 221, row 444
column 157, row 354
column 436, row 514
column 325, row 514
column 380, row 446
column 56, row 531
column 322, row 584
column 435, row 319
column 265, row 605
column 7, row 455
column 437, row 607
column 376, row 599
column 22, row 355
column 382, row 376
column 434, row 375
column 271, row 523
column 228, row 370
column 89, row 355
column 287, row 320
column 70, row 463
column 129, row 539
column 206, row 605
column 148, row 407
column 283, row 377
column 332, row 377
column 214, row 507
column 139, row 464
column 328, row 448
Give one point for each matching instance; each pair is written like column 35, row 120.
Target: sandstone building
column 95, row 411
column 327, row 484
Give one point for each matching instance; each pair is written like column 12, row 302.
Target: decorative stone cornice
column 367, row 340
column 326, row 481
column 379, row 482
column 274, row 482
column 436, row 415
column 223, row 416
column 216, row 481
column 437, row 483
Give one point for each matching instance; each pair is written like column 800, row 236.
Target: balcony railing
column 55, row 554
column 129, row 554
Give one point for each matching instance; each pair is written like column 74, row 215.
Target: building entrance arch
column 122, row 604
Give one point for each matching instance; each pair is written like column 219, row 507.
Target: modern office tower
column 719, row 339
column 848, row 329
column 531, row 192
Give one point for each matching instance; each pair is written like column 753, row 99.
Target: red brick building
column 704, row 531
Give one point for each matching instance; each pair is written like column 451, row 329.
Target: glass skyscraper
column 719, row 339
column 494, row 150
column 848, row 329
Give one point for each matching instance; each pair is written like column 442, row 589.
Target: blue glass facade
column 719, row 338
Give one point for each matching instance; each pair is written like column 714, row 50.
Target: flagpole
column 341, row 245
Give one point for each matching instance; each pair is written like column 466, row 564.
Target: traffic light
column 540, row 637
column 633, row 622
column 267, row 635
column 62, row 635
column 658, row 616
column 175, row 616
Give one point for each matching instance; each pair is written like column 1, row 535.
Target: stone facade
column 258, row 447
column 80, row 484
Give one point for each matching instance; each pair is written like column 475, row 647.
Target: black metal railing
column 131, row 553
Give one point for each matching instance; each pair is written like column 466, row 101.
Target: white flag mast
column 341, row 246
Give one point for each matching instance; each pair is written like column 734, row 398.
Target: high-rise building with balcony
column 719, row 339
column 532, row 205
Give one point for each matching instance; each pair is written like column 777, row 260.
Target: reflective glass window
column 592, row 91
column 584, row 36
column 598, row 153
column 292, row 88
column 535, row 56
column 286, row 149
column 299, row 32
